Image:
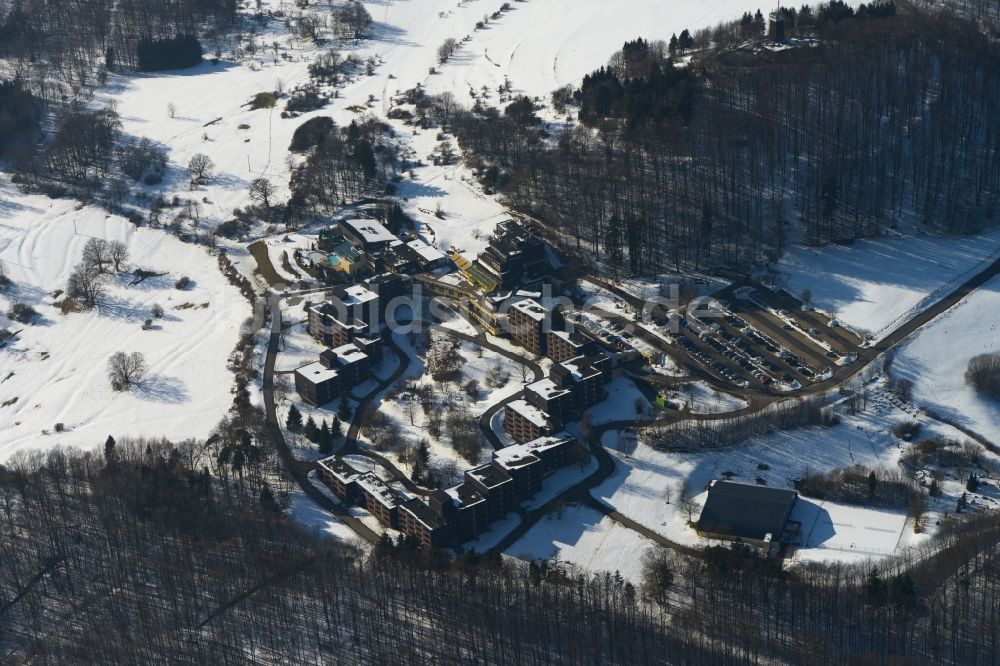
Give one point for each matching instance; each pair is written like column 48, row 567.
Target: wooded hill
column 718, row 162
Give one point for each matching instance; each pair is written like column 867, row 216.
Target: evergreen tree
column 673, row 44
column 963, row 502
column 324, row 438
column 972, row 485
column 337, row 429
column 344, row 410
column 872, row 484
column 686, row 41
column 294, row 420
column 310, row 429
column 267, row 501
column 421, row 461
column 109, row 449
column 934, row 490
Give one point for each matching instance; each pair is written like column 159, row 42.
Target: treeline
column 698, row 435
column 78, row 159
column 143, row 553
column 341, row 164
column 885, row 119
column 178, row 52
column 20, row 113
column 67, row 40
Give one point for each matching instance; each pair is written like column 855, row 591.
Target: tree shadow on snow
column 163, row 389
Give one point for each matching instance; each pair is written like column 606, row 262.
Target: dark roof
column 746, row 511
column 488, row 475
column 423, row 513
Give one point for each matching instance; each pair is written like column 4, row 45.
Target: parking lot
column 752, row 338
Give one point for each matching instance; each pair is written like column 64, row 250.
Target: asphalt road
column 581, row 491
column 297, row 468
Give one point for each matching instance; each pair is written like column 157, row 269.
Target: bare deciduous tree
column 96, row 253
column 85, row 286
column 117, row 254
column 261, row 189
column 200, row 168
column 125, row 370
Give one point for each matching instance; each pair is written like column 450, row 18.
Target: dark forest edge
column 154, row 552
column 709, row 152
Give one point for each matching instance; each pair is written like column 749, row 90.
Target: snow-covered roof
column 547, row 388
column 339, row 469
column 348, row 354
column 358, row 294
column 428, row 253
column 464, row 495
column 370, row 231
column 580, row 367
column 316, row 373
column 488, row 475
column 531, row 309
column 514, row 457
column 530, row 412
column 377, row 488
column 519, row 455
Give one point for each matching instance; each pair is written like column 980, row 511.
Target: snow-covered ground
column 700, row 398
column 541, row 45
column 624, row 401
column 55, row 371
column 648, row 484
column 849, row 533
column 586, row 541
column 875, row 285
column 935, row 361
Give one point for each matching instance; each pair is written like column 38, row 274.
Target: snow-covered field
column 935, row 361
column 56, row 369
column 875, row 285
column 648, row 484
column 541, row 45
column 586, row 541
column 700, row 398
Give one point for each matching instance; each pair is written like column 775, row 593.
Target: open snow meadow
column 54, row 372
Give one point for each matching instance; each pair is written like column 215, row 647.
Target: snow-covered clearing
column 624, row 401
column 935, row 361
column 55, row 371
column 586, row 541
column 700, row 398
column 540, row 45
column 647, row 483
column 874, row 285
column 318, row 520
column 849, row 533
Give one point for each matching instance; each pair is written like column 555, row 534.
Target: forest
column 152, row 552
column 884, row 118
column 68, row 38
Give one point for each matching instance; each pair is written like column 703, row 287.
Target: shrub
column 861, row 486
column 22, row 312
column 157, row 311
column 183, row 283
column 305, row 99
column 983, row 374
column 264, row 100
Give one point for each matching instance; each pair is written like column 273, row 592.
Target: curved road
column 581, row 491
column 298, row 469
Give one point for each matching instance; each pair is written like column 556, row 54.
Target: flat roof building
column 750, row 513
